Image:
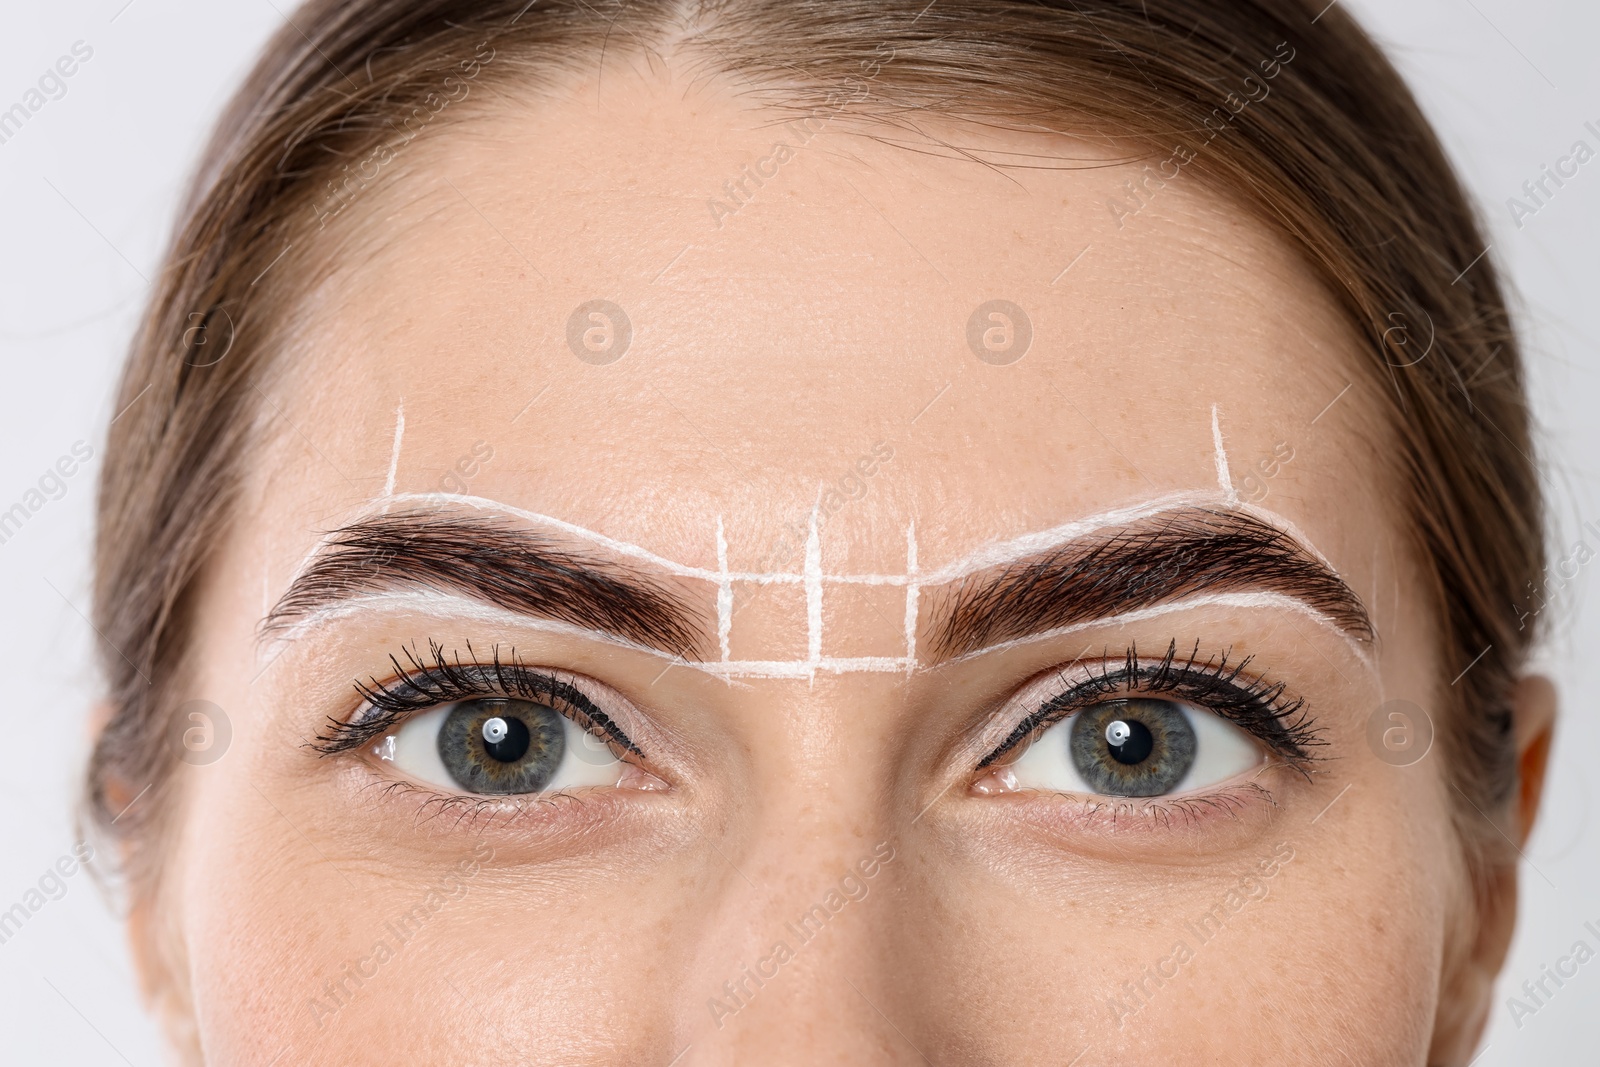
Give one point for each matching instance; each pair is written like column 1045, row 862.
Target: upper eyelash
column 423, row 683
column 1253, row 704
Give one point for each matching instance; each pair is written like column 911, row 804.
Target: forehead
column 654, row 310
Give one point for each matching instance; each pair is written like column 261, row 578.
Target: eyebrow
column 1187, row 552
column 493, row 561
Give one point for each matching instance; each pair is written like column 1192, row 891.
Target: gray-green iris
column 502, row 746
column 1133, row 747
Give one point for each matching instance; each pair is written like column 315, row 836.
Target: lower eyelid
column 541, row 816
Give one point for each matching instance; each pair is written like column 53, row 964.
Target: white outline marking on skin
column 994, row 554
column 724, row 595
column 982, row 558
column 913, row 591
column 463, row 607
column 394, row 451
column 1220, row 457
column 434, row 602
column 1231, row 600
column 813, row 578
column 814, row 591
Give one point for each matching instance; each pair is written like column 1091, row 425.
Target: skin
column 780, row 347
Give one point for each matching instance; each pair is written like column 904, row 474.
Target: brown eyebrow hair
column 1189, row 551
column 496, row 562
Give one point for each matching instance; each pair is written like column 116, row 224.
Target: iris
column 1132, row 748
column 502, row 746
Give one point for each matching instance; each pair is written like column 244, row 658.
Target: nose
column 799, row 968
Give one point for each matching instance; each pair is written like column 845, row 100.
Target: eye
column 499, row 746
column 1134, row 747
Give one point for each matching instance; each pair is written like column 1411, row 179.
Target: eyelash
column 427, row 682
column 1256, row 706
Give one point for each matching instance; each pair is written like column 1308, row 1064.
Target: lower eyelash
column 1252, row 704
column 478, row 813
column 1170, row 813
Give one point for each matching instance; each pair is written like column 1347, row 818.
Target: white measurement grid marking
column 814, row 579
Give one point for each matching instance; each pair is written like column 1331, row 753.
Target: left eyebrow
column 1192, row 551
column 494, row 562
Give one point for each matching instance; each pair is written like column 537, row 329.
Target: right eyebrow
column 1188, row 551
column 497, row 563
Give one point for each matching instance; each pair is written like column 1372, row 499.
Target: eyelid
column 421, row 685
column 1258, row 707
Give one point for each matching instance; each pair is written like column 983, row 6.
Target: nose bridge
column 793, row 945
column 794, row 956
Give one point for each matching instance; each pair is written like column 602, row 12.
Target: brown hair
column 1292, row 112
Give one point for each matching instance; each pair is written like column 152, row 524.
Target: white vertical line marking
column 813, row 580
column 394, row 451
column 913, row 590
column 1224, row 480
column 724, row 594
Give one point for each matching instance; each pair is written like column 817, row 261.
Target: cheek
column 1037, row 962
column 286, row 954
column 296, row 940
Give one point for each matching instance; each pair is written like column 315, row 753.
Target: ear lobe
column 161, row 965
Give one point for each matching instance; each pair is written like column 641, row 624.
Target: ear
column 1534, row 707
column 160, row 962
column 1468, row 989
column 154, row 942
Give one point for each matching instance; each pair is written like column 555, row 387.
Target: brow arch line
column 992, row 554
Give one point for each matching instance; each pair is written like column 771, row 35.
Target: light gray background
column 87, row 194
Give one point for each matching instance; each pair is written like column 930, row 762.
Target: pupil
column 1130, row 741
column 513, row 739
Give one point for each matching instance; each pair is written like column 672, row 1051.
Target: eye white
column 414, row 749
column 1222, row 751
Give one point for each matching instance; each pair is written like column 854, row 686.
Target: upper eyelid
column 594, row 713
column 1074, row 697
column 1067, row 704
column 472, row 679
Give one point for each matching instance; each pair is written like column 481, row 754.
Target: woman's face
column 967, row 714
